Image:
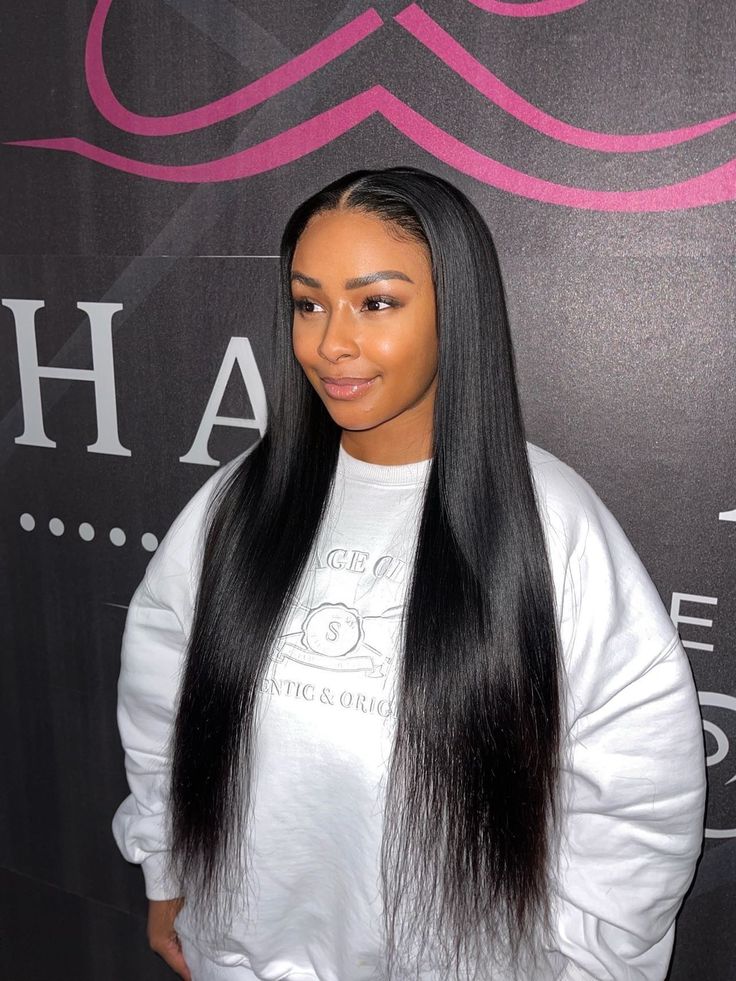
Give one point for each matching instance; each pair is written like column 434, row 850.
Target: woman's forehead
column 337, row 240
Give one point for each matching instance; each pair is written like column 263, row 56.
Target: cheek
column 409, row 370
column 413, row 353
column 300, row 345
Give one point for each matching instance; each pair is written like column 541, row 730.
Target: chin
column 355, row 426
column 346, row 420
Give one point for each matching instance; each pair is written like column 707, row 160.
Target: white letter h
column 102, row 374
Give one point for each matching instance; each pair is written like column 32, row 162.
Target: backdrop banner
column 151, row 152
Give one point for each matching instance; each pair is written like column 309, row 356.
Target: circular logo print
column 332, row 629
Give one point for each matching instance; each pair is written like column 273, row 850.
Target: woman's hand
column 162, row 936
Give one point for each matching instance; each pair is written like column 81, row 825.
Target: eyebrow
column 353, row 284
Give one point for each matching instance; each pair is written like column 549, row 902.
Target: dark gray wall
column 622, row 306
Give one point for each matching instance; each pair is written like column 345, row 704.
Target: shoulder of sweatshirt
column 614, row 624
column 566, row 503
column 574, row 517
column 566, row 500
column 173, row 571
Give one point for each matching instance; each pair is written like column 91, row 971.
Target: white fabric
column 633, row 774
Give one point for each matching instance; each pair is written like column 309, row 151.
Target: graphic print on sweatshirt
column 343, row 632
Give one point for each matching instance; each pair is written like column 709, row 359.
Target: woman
column 397, row 696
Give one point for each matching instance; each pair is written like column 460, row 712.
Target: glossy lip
column 347, row 389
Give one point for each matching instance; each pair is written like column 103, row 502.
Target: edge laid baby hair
column 471, row 793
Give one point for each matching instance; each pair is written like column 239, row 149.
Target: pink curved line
column 258, row 91
column 542, row 8
column 444, row 45
column 289, row 145
column 713, row 187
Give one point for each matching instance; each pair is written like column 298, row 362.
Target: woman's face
column 368, row 348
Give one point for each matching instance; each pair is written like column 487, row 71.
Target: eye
column 304, row 305
column 388, row 300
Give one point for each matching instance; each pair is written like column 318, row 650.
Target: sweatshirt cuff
column 159, row 883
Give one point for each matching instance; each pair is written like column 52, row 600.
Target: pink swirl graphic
column 713, row 187
column 263, row 88
column 434, row 37
column 541, row 8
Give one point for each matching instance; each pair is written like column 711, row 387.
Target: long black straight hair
column 471, row 796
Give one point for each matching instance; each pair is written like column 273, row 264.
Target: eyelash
column 300, row 304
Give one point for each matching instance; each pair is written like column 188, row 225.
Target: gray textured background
column 623, row 323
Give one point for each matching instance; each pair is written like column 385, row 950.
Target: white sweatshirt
column 633, row 777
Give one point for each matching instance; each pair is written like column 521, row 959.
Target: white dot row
column 87, row 533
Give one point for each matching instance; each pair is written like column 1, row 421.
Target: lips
column 346, row 388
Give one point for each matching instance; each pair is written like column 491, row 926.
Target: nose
column 338, row 337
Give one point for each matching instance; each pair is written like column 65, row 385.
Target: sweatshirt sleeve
column 633, row 771
column 153, row 651
column 152, row 654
